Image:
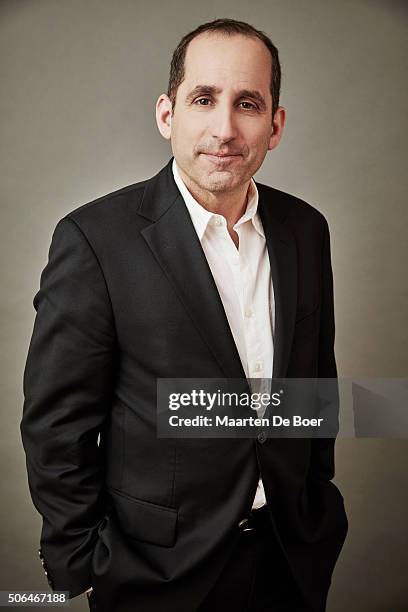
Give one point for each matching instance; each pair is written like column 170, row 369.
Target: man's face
column 222, row 121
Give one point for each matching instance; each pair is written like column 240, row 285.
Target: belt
column 256, row 519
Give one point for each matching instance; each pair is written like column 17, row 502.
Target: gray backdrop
column 79, row 82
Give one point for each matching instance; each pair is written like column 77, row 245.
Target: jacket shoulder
column 109, row 206
column 291, row 207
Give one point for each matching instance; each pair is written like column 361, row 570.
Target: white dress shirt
column 243, row 280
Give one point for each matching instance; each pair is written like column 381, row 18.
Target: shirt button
column 249, row 312
column 261, row 437
column 258, row 366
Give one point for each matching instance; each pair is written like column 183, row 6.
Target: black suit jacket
column 127, row 297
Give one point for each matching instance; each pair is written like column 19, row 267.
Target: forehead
column 228, row 60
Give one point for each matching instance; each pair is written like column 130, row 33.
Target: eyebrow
column 201, row 90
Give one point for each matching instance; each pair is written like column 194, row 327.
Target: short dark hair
column 228, row 27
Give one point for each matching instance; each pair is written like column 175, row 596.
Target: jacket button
column 261, row 437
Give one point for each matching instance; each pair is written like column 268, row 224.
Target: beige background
column 79, row 81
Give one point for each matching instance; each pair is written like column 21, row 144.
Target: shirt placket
column 254, row 338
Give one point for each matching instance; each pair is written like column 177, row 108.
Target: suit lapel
column 177, row 249
column 283, row 260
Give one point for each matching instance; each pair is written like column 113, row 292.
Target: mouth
column 220, row 158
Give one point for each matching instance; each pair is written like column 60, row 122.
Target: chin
column 220, row 185
column 220, row 180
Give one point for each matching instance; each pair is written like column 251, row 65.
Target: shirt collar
column 200, row 216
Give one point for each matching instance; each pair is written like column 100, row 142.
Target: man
column 196, row 273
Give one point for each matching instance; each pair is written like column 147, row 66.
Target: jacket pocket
column 143, row 520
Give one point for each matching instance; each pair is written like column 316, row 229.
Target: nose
column 223, row 123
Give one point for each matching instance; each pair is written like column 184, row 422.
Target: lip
column 220, row 159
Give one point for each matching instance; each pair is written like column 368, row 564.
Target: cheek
column 186, row 136
column 257, row 136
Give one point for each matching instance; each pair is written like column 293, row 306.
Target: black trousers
column 256, row 577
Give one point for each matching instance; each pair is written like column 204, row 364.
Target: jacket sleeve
column 68, row 382
column 322, row 460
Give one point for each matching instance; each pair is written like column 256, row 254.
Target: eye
column 249, row 105
column 199, row 100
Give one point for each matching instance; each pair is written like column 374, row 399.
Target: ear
column 163, row 116
column 278, row 124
